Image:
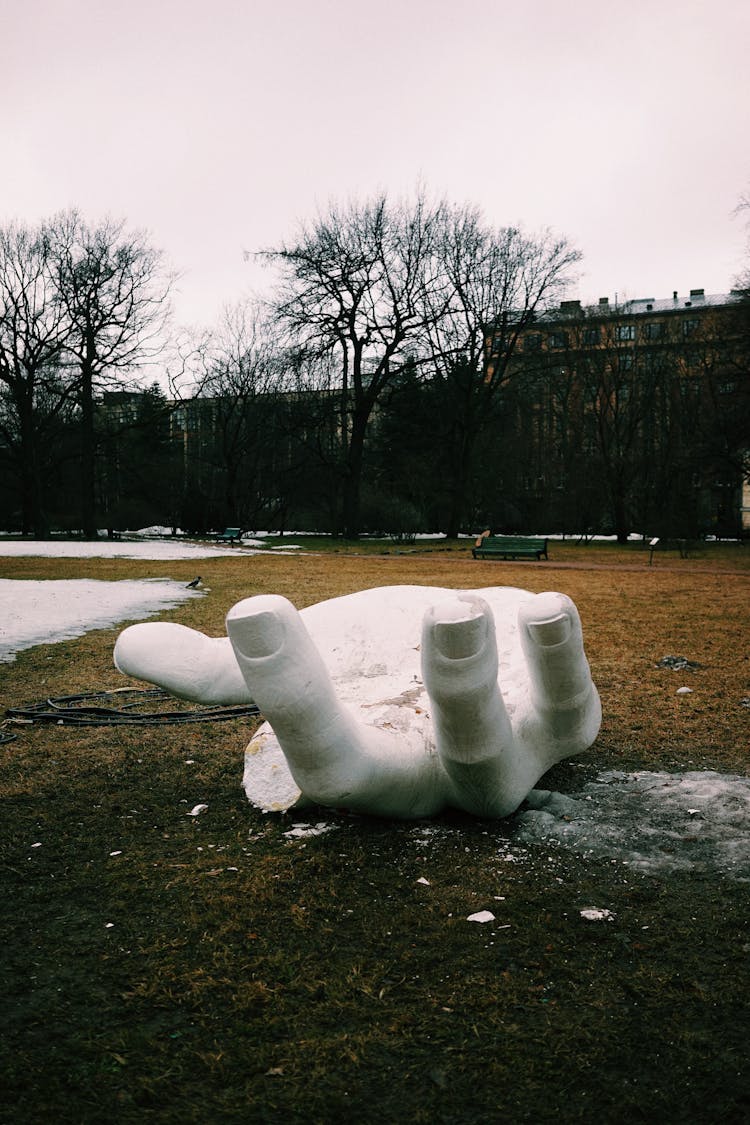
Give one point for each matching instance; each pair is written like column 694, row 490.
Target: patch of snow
column 654, row 822
column 633, row 537
column 152, row 549
column 481, row 916
column 156, row 531
column 197, row 810
column 295, row 534
column 677, row 663
column 45, row 612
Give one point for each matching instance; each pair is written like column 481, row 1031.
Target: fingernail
column 551, row 632
column 459, row 639
column 257, row 635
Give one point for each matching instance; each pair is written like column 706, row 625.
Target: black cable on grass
column 89, row 710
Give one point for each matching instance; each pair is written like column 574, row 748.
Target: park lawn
column 164, row 967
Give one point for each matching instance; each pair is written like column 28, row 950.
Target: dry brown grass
column 250, row 978
column 633, row 615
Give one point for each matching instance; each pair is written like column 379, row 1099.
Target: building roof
column 695, row 298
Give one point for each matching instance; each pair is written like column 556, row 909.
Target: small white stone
column 197, row 810
column 299, row 831
column 481, row 916
column 597, row 914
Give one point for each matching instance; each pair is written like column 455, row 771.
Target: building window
column 654, row 330
column 591, row 336
column 689, row 327
column 532, row 342
column 625, row 361
column 625, row 332
column 652, row 362
column 558, row 339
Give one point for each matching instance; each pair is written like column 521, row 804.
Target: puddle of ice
column 699, row 820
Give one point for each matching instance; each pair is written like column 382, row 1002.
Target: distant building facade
column 650, row 395
column 629, row 416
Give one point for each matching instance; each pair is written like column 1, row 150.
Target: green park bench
column 230, row 535
column 509, row 547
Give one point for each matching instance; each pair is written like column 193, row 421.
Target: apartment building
column 651, row 395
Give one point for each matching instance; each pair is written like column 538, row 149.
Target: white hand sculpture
column 356, row 720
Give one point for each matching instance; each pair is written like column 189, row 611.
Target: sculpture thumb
column 183, row 661
column 286, row 677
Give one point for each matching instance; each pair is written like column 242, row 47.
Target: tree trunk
column 351, row 500
column 463, row 443
column 456, row 505
column 620, row 517
column 33, row 518
column 88, row 445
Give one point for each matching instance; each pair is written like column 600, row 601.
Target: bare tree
column 742, row 281
column 354, row 294
column 626, row 398
column 243, row 379
column 114, row 290
column 495, row 283
column 37, row 393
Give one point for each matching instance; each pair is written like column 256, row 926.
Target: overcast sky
column 218, row 126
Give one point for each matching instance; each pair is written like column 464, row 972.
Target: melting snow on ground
column 167, row 549
column 655, row 822
column 35, row 613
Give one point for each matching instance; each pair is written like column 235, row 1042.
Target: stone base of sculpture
column 398, row 701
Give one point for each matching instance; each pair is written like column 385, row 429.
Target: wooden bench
column 509, row 547
column 230, row 535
